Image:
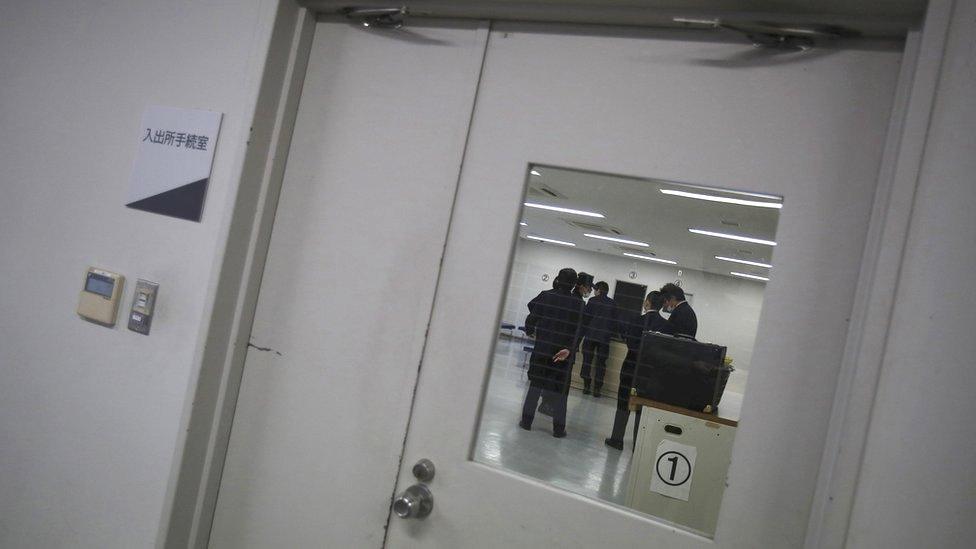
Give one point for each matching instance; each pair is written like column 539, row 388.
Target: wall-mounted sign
column 172, row 167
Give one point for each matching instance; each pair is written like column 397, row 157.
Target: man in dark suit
column 683, row 320
column 599, row 323
column 554, row 318
column 581, row 289
column 632, row 329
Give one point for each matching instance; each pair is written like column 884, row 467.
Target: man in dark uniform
column 683, row 320
column 599, row 323
column 554, row 318
column 545, row 408
column 633, row 330
column 582, row 287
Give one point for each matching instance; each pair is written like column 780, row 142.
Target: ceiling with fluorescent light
column 635, row 209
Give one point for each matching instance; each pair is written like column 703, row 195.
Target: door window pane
column 625, row 340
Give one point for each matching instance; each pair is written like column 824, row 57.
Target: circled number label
column 674, row 467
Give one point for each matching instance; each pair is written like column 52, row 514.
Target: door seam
column 437, row 282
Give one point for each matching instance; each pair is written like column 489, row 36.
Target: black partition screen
column 629, row 296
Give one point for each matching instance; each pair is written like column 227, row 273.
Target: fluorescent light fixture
column 542, row 239
column 733, row 237
column 726, row 191
column 723, row 199
column 744, row 262
column 523, row 223
column 535, row 173
column 649, row 258
column 754, row 277
column 564, row 210
column 621, row 240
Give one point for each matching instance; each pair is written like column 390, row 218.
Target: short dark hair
column 656, row 299
column 670, row 290
column 602, row 286
column 565, row 279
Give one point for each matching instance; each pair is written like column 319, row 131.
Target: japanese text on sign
column 177, row 139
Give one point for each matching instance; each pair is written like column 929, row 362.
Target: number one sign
column 674, row 467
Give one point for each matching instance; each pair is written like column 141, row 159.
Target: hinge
column 381, row 18
column 774, row 35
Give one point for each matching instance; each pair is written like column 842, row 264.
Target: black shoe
column 525, row 425
column 586, row 389
column 559, row 434
column 596, row 393
column 618, row 444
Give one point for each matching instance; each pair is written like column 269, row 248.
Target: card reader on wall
column 99, row 300
column 143, row 304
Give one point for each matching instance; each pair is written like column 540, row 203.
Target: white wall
column 89, row 416
column 727, row 308
column 918, row 478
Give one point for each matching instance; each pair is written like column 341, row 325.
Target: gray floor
column 579, row 463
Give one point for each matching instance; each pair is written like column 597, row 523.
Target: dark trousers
column 593, row 349
column 620, row 424
column 622, row 415
column 556, row 398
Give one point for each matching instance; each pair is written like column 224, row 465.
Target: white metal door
column 679, row 106
column 348, row 286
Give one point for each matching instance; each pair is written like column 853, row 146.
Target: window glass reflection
column 626, row 336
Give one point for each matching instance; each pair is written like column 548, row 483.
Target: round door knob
column 415, row 502
column 423, row 470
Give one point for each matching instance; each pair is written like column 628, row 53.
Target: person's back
column 558, row 314
column 631, row 326
column 599, row 324
column 600, row 318
column 554, row 318
column 683, row 321
column 533, row 318
column 654, row 322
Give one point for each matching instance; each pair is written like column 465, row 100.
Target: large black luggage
column 681, row 371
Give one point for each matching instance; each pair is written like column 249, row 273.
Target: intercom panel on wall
column 100, row 296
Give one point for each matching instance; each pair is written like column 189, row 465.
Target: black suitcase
column 681, row 371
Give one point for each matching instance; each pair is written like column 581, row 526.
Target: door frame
column 221, row 346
